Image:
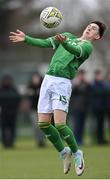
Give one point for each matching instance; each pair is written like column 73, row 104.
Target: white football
column 50, row 17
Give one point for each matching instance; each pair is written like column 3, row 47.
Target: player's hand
column 60, row 38
column 17, row 36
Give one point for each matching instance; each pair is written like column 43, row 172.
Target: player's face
column 92, row 32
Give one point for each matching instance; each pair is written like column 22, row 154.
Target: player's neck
column 83, row 38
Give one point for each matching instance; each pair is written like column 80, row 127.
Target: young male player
column 70, row 53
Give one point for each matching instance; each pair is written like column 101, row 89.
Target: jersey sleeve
column 82, row 49
column 86, row 49
column 45, row 43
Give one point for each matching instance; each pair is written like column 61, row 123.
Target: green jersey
column 68, row 55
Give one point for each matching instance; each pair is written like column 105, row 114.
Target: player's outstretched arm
column 17, row 36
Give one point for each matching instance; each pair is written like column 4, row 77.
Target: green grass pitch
column 29, row 162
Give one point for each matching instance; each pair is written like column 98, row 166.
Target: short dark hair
column 102, row 27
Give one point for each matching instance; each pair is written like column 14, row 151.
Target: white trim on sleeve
column 52, row 42
column 80, row 52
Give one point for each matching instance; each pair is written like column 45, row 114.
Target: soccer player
column 70, row 53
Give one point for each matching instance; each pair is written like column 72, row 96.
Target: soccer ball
column 50, row 17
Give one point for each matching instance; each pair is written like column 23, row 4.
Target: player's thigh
column 60, row 116
column 44, row 117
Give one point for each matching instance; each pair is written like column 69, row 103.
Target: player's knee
column 43, row 125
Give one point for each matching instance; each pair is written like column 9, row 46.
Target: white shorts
column 54, row 94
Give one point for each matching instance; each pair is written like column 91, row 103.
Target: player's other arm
column 76, row 50
column 20, row 36
column 84, row 49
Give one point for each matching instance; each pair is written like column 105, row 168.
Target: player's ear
column 97, row 37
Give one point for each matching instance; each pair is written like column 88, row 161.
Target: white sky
column 91, row 3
